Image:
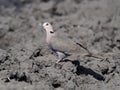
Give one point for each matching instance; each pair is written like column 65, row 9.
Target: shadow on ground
column 86, row 71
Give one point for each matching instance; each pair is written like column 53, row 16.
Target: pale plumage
column 62, row 45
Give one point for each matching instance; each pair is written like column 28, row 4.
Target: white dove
column 62, row 45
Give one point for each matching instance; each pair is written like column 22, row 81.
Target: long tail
column 90, row 54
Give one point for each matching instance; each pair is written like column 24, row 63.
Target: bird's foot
column 58, row 61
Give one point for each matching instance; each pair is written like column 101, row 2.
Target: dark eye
column 46, row 24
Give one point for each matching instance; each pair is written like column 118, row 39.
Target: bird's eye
column 46, row 24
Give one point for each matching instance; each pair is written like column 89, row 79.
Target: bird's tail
column 90, row 54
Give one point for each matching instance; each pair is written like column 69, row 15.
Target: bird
column 62, row 45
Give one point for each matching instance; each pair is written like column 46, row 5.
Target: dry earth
column 26, row 63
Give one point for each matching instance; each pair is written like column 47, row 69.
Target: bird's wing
column 66, row 45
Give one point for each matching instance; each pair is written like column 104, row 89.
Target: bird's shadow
column 87, row 71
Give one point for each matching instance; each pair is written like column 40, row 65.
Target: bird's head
column 48, row 27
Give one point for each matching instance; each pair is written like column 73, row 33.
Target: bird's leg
column 58, row 60
column 61, row 56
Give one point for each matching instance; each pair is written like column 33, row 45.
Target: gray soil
column 26, row 62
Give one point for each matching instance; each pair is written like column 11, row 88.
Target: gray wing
column 66, row 45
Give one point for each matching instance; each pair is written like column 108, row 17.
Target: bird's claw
column 57, row 61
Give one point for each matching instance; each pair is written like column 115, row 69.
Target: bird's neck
column 50, row 34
